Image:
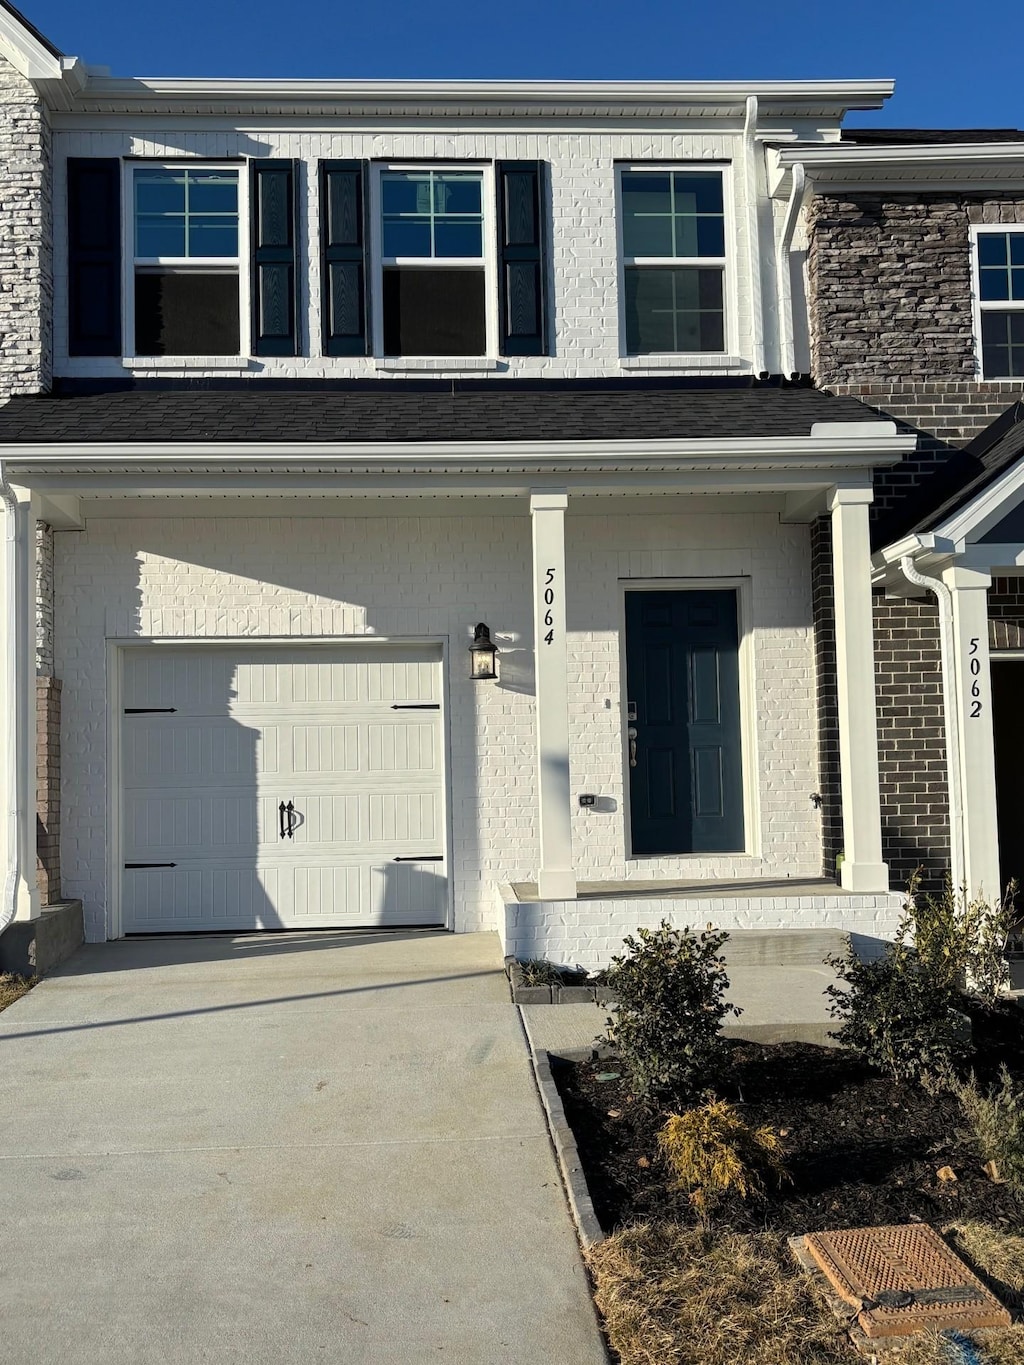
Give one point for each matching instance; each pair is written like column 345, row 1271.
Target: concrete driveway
column 278, row 1149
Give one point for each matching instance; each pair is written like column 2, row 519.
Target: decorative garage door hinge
column 138, row 865
column 150, row 710
column 416, row 706
column 428, row 858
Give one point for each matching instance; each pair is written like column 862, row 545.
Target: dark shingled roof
column 899, row 137
column 385, row 410
column 971, row 471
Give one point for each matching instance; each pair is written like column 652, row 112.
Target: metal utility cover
column 904, row 1279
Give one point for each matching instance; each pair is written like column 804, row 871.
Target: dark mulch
column 861, row 1149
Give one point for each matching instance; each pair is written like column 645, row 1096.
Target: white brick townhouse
column 315, row 384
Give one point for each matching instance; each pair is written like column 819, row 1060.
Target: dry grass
column 673, row 1295
column 13, row 988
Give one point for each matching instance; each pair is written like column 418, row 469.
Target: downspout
column 784, row 282
column 753, row 198
column 944, row 598
column 9, row 903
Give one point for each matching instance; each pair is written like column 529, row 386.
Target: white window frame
column 199, row 263
column 488, row 261
column 728, row 263
column 991, row 305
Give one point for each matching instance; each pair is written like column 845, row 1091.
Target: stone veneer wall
column 26, row 264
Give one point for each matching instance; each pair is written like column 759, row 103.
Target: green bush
column 961, row 941
column 669, row 987
column 996, row 1119
column 897, row 1013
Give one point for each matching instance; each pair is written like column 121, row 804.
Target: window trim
column 129, row 261
column 729, row 356
column 978, row 307
column 489, row 261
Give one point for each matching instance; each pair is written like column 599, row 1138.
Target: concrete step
column 783, row 947
column 779, row 1004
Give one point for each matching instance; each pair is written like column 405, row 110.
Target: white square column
column 556, row 879
column 969, row 589
column 18, row 676
column 862, row 868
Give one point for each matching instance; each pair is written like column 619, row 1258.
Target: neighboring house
column 312, row 378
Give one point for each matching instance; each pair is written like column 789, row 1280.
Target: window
column 185, row 266
column 999, row 266
column 673, row 246
column 434, row 285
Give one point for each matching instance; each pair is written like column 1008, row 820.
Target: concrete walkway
column 285, row 1148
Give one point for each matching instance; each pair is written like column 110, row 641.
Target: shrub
column 961, row 941
column 896, row 1013
column 711, row 1151
column 996, row 1120
column 537, row 972
column 669, row 988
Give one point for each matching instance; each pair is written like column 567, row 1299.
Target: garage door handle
column 429, row 858
column 286, row 827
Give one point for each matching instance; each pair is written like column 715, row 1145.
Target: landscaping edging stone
column 552, row 995
column 577, row 1192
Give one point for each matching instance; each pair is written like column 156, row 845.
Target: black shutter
column 94, row 256
column 274, row 287
column 343, row 257
column 522, row 291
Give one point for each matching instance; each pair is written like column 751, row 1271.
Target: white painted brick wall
column 584, row 250
column 436, row 576
column 588, row 933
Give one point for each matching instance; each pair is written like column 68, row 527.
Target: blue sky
column 960, row 71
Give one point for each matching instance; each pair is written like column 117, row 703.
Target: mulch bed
column 862, row 1150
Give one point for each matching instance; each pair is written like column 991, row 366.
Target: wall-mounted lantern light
column 482, row 655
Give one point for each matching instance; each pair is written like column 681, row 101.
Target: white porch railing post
column 863, row 868
column 556, row 879
column 969, row 589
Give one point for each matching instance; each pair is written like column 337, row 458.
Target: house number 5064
column 549, row 602
column 975, row 669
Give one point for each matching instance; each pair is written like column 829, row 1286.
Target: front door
column 683, row 709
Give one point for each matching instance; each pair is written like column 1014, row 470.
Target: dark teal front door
column 683, row 709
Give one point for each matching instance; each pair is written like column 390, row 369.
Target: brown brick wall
column 823, row 615
column 48, row 789
column 912, row 768
column 1006, row 613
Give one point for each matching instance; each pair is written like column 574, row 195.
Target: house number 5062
column 975, row 669
column 549, row 602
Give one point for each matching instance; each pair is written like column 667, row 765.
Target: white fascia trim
column 924, row 549
column 876, row 441
column 30, row 57
column 842, row 163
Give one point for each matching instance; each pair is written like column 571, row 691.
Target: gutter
column 783, row 265
column 9, row 901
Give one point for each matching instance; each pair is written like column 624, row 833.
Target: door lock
column 631, row 732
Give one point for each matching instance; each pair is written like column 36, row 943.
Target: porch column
column 556, row 879
column 969, row 589
column 863, row 868
column 19, row 669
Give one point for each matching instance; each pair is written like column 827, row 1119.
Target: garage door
column 282, row 787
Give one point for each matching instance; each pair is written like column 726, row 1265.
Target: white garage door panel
column 213, row 741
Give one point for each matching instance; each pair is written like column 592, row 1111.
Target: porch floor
column 693, row 890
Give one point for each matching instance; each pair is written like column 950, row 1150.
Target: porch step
column 781, row 1004
column 783, row 947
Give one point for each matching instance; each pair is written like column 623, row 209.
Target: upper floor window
column 433, row 263
column 184, row 288
column 999, row 268
column 674, row 259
